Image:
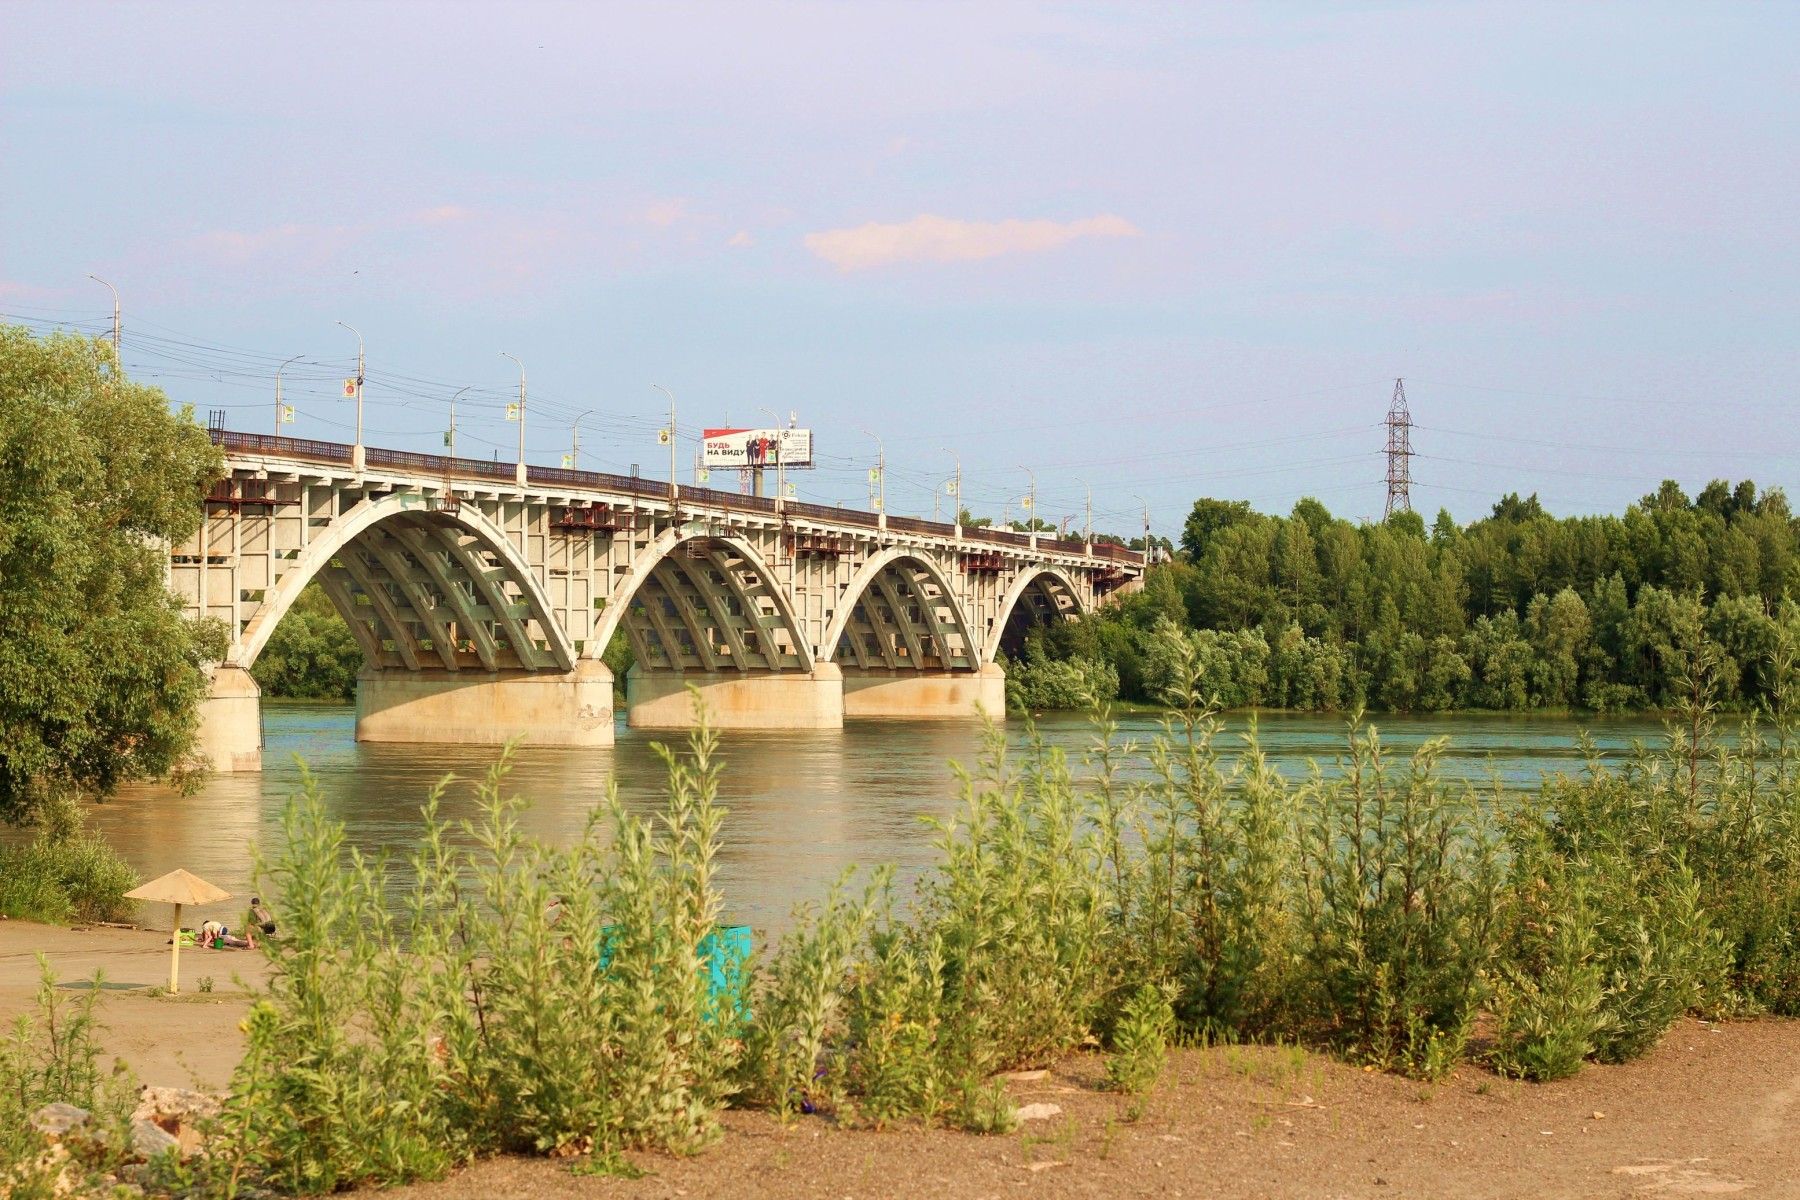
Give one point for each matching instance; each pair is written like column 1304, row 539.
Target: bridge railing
column 478, row 468
column 286, row 447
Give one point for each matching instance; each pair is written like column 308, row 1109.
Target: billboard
column 756, row 447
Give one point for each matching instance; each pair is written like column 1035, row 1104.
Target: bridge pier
column 737, row 699
column 536, row 708
column 924, row 695
column 230, row 733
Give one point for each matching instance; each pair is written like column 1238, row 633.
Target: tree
column 100, row 674
column 311, row 655
column 1209, row 519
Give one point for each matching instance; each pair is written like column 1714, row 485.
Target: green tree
column 311, row 655
column 100, row 674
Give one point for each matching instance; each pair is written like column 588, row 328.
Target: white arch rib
column 364, row 516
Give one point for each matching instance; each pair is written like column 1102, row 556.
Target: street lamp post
column 780, row 476
column 671, row 431
column 279, row 410
column 955, row 493
column 1031, row 507
column 575, row 441
column 357, row 457
column 115, row 294
column 880, row 475
column 519, row 471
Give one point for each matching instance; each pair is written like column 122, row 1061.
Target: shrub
column 528, row 998
column 51, row 1056
column 1399, row 883
column 1140, row 1041
column 65, row 874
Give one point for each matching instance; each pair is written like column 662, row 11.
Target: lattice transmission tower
column 1399, row 454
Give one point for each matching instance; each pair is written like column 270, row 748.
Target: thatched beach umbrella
column 178, row 887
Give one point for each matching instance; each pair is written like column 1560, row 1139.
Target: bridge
column 483, row 595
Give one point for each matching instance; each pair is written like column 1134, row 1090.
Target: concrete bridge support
column 535, row 708
column 230, row 733
column 737, row 699
column 924, row 695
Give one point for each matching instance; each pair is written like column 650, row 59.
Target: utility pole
column 669, row 436
column 450, row 459
column 519, row 472
column 575, row 441
column 879, row 504
column 1031, row 507
column 115, row 294
column 1087, row 527
column 281, row 409
column 357, row 457
column 955, row 492
column 1146, row 504
column 1399, row 454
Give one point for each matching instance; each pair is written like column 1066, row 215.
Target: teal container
column 724, row 956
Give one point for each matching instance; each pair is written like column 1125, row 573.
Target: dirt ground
column 186, row 1040
column 1715, row 1110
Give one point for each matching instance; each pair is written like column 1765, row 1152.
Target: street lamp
column 1031, row 507
column 671, row 434
column 955, row 491
column 575, row 441
column 278, row 406
column 357, row 456
column 880, row 471
column 115, row 293
column 519, row 474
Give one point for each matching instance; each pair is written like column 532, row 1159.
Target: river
column 803, row 806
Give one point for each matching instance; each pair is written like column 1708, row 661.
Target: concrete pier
column 924, row 695
column 536, row 708
column 230, row 733
column 737, row 699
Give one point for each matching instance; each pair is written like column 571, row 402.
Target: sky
column 1155, row 251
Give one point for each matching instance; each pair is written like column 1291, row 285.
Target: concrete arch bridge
column 483, row 595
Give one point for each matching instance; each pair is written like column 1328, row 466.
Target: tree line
column 1517, row 610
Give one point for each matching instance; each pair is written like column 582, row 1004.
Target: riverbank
column 187, row 1040
column 1713, row 1111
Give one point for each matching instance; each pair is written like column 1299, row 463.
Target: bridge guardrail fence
column 340, row 453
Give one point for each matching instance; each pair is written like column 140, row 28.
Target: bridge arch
column 694, row 599
column 899, row 611
column 1041, row 594
column 421, row 587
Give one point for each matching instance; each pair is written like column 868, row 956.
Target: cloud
column 928, row 238
column 665, row 213
column 741, row 238
column 443, row 214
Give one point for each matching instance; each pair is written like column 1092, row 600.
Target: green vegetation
column 311, row 654
column 99, row 672
column 64, row 877
column 554, row 1000
column 1518, row 610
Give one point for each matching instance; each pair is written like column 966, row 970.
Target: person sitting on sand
column 216, row 936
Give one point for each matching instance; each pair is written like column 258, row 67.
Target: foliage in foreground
column 100, row 674
column 554, row 1000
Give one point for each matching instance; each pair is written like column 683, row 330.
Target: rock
column 148, row 1139
column 1023, row 1076
column 1037, row 1112
column 179, row 1112
column 59, row 1120
column 162, row 1104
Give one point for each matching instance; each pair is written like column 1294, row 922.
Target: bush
column 65, row 876
column 391, row 1046
column 1399, row 883
column 1140, row 1041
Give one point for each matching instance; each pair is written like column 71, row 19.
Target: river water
column 803, row 805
